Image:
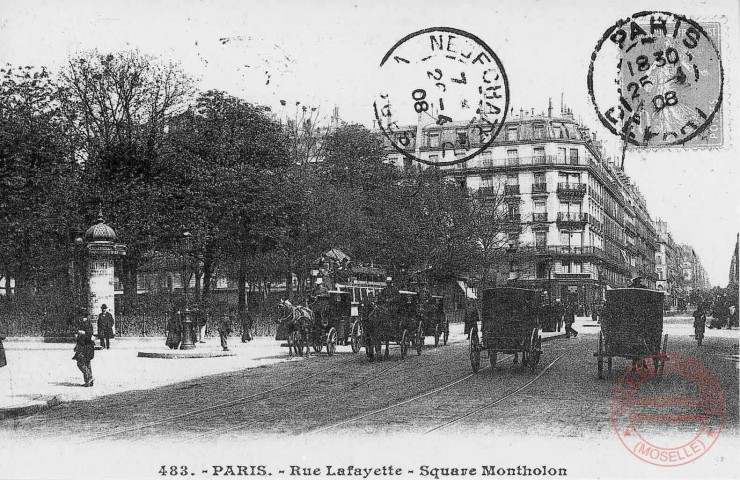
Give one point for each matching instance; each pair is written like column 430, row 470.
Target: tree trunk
column 129, row 287
column 241, row 285
column 207, row 274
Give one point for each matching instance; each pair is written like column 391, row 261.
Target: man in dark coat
column 700, row 323
column 105, row 326
column 85, row 351
column 224, row 329
column 570, row 318
column 471, row 317
column 3, row 335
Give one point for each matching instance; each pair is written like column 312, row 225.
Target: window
column 487, row 159
column 539, row 178
column 539, row 131
column 561, row 155
column 512, row 179
column 557, row 130
column 512, row 209
column 540, row 207
column 539, row 155
column 511, row 134
column 574, row 156
column 572, row 267
column 434, row 140
column 512, row 157
column 568, row 177
column 540, row 239
column 462, row 138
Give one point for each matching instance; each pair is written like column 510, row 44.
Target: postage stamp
column 436, row 76
column 668, row 410
column 656, row 80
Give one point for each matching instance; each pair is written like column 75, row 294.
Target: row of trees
column 262, row 198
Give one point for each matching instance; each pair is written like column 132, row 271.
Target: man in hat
column 106, row 326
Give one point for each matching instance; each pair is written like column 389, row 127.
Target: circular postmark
column 656, row 79
column 441, row 76
column 668, row 410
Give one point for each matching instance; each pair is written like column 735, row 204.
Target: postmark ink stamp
column 668, row 410
column 436, row 76
column 656, row 80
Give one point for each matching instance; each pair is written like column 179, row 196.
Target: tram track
column 208, row 409
column 498, row 400
column 213, row 410
column 216, row 432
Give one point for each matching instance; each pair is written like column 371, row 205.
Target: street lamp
column 548, row 262
column 188, row 334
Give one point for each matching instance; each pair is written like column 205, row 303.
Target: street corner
column 23, row 406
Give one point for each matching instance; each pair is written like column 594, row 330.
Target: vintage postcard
column 422, row 240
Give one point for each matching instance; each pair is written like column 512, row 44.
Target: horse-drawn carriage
column 393, row 317
column 324, row 322
column 631, row 327
column 510, row 325
column 432, row 313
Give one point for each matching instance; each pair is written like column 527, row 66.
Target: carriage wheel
column 474, row 350
column 437, row 334
column 356, row 336
column 331, row 341
column 298, row 343
column 599, row 358
column 419, row 338
column 492, row 354
column 404, row 343
column 447, row 330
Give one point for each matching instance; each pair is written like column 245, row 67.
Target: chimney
column 549, row 108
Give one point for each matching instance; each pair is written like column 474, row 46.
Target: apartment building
column 577, row 223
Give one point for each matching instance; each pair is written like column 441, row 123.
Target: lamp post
column 548, row 262
column 188, row 334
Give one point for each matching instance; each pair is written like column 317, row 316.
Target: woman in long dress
column 174, row 330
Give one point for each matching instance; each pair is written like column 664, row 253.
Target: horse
column 299, row 320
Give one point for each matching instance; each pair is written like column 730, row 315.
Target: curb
column 186, row 354
column 25, row 410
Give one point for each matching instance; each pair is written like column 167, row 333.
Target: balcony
column 572, row 220
column 571, row 190
column 511, row 189
column 539, row 188
column 596, row 224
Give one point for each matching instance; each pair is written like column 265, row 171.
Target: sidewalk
column 42, row 375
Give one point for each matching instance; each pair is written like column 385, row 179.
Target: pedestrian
column 202, row 322
column 559, row 312
column 570, row 318
column 174, row 331
column 224, row 329
column 85, row 351
column 3, row 336
column 106, row 327
column 595, row 313
column 471, row 317
column 246, row 323
column 733, row 316
column 700, row 323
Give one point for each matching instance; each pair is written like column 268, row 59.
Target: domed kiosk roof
column 100, row 232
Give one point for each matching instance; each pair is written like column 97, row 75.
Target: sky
column 326, row 54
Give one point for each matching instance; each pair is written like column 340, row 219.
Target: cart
column 631, row 327
column 434, row 318
column 393, row 318
column 510, row 325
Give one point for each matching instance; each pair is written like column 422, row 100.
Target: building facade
column 577, row 225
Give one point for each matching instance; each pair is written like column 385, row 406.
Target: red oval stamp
column 668, row 410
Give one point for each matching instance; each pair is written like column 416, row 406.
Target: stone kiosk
column 102, row 251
